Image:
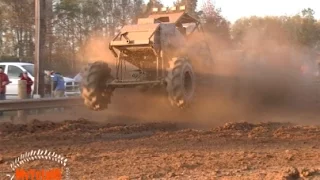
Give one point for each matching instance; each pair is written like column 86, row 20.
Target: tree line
column 72, row 23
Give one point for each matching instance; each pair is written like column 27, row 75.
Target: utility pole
column 40, row 32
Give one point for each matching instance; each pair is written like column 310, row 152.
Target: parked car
column 14, row 69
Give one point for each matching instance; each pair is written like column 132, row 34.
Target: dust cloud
column 244, row 83
column 96, row 48
column 259, row 76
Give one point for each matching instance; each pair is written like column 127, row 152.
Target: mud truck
column 159, row 46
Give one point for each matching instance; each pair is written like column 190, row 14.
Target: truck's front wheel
column 94, row 88
column 180, row 82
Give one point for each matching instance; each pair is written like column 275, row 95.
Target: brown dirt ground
column 142, row 140
column 169, row 151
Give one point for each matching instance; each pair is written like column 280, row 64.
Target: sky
column 234, row 9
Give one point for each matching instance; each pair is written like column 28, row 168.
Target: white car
column 14, row 69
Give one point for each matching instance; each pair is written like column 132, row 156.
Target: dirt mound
column 244, row 126
column 32, row 127
column 80, row 125
column 250, row 128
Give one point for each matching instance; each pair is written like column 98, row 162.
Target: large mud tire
column 180, row 82
column 94, row 88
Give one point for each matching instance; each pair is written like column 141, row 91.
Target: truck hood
column 67, row 79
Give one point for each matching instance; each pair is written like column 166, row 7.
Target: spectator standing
column 58, row 85
column 4, row 81
column 47, row 84
column 29, row 81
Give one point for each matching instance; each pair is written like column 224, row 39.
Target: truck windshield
column 29, row 68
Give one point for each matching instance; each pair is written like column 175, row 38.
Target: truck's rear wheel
column 180, row 82
column 94, row 88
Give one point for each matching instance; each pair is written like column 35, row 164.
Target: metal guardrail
column 24, row 104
